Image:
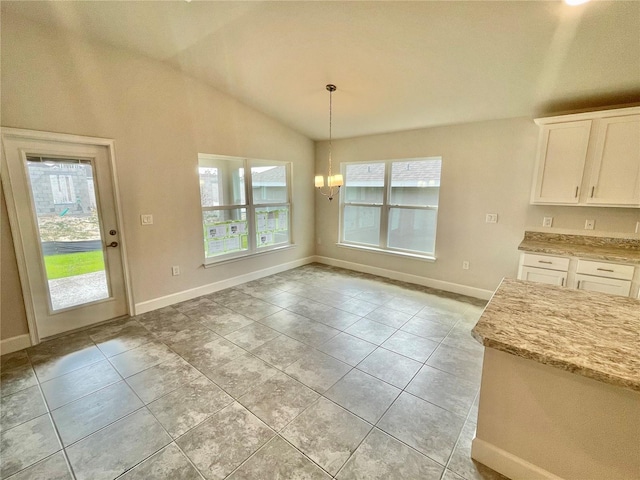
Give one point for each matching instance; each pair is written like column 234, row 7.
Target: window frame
column 385, row 210
column 250, row 208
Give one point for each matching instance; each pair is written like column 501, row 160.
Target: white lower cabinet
column 594, row 276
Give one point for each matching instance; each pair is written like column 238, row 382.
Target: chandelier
column 334, row 182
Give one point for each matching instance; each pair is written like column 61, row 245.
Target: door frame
column 19, row 248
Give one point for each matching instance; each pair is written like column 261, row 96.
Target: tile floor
column 313, row 373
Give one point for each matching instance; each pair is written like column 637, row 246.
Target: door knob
column 113, row 244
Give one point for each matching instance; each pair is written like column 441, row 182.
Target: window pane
column 272, row 225
column 221, row 182
column 412, row 229
column 415, row 182
column 269, row 183
column 225, row 231
column 362, row 225
column 364, row 183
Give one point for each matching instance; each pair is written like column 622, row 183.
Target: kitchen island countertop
column 587, row 333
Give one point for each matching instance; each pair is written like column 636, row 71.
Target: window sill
column 394, row 253
column 215, row 263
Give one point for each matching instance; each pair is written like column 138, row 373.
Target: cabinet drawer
column 612, row 286
column 544, row 275
column 607, row 270
column 546, row 261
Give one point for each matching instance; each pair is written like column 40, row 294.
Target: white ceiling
column 397, row 65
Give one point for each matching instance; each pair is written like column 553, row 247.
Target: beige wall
column 160, row 120
column 487, row 167
column 13, row 320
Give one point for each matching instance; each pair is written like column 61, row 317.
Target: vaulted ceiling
column 397, row 65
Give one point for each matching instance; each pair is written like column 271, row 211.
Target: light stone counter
column 586, row 333
column 623, row 250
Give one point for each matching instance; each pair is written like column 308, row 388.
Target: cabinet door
column 562, row 153
column 615, row 176
column 603, row 285
column 542, row 275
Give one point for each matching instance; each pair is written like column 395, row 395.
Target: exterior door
column 61, row 198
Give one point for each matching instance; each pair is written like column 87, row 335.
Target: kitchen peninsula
column 560, row 393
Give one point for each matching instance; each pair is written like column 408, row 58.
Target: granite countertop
column 622, row 250
column 586, row 333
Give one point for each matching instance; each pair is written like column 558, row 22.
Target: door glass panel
column 64, row 200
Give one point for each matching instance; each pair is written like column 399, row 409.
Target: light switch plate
column 146, row 219
column 491, row 218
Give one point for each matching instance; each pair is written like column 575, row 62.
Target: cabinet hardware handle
column 592, row 190
column 579, row 284
column 576, row 195
column 562, row 283
column 545, row 261
column 604, row 270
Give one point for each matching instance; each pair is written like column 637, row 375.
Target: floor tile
column 375, row 297
column 409, row 345
column 220, row 444
column 347, row 348
column 78, row 419
column 13, row 360
column 168, row 463
column 427, row 428
column 461, row 462
column 140, row 358
column 212, row 355
column 390, row 367
column 130, row 440
column 383, row 457
column 21, row 407
column 70, row 387
column 59, row 347
column 449, row 475
column 191, row 338
column 438, row 316
column 117, row 337
column 161, row 379
column 16, row 379
column 242, row 374
column 327, row 433
column 404, row 304
column 48, row 367
column 252, row 336
column 51, row 468
column 318, row 370
column 283, row 299
column 458, row 362
column 426, row 328
column 189, row 405
column 322, row 313
column 357, row 306
column 168, row 327
column 460, row 337
column 364, row 395
column 157, row 318
column 281, row 351
column 443, row 389
column 279, row 460
column 299, row 327
column 371, row 331
column 255, row 309
column 27, row 444
column 199, row 303
column 278, row 400
column 387, row 316
column 221, row 320
column 227, row 296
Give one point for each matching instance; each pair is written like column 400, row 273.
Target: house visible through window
column 392, row 205
column 62, row 189
column 243, row 214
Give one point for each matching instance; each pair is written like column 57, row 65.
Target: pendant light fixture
column 334, row 182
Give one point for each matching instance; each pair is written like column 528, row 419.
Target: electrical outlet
column 491, row 218
column 547, row 221
column 589, row 224
column 146, row 219
column 465, row 265
column 175, row 270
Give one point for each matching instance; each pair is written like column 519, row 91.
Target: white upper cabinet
column 589, row 159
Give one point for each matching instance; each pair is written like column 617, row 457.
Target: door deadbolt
column 112, row 232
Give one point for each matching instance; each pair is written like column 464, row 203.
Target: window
column 243, row 214
column 62, row 189
column 392, row 205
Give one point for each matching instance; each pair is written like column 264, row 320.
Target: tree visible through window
column 392, row 205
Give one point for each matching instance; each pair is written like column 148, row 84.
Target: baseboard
column 407, row 277
column 184, row 295
column 506, row 463
column 13, row 344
